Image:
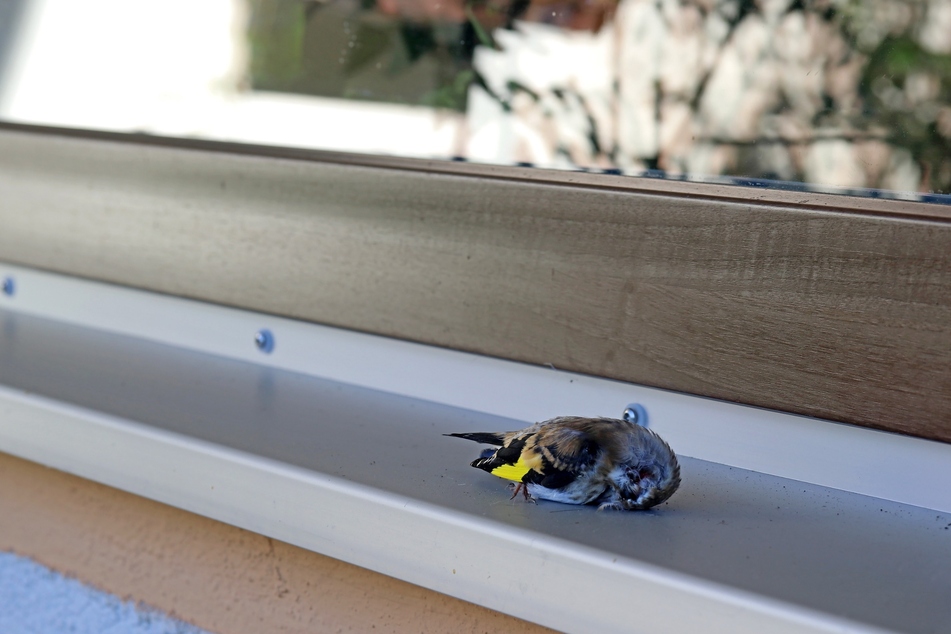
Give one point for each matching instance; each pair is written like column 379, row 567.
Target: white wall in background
column 176, row 68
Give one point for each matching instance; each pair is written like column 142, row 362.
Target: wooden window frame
column 831, row 306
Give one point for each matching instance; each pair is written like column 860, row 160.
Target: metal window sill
column 142, row 392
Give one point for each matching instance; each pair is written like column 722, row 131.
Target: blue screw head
column 264, row 340
column 9, row 286
column 635, row 413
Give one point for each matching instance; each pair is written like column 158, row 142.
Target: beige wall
column 216, row 576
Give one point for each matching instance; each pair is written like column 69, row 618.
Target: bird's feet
column 521, row 486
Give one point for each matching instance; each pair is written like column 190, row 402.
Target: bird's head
column 651, row 472
column 656, row 484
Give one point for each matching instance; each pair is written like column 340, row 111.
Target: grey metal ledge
column 366, row 476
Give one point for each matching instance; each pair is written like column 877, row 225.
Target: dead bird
column 613, row 463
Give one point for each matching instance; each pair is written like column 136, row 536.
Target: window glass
column 836, row 95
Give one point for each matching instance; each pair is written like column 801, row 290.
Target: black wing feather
column 484, row 437
column 503, row 455
column 565, row 451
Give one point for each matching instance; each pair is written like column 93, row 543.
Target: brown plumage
column 613, row 463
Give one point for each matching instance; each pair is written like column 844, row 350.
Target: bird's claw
column 521, row 486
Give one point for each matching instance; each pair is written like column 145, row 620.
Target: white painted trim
column 807, row 449
column 573, row 589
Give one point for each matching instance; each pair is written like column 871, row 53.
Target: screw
column 9, row 286
column 635, row 413
column 264, row 340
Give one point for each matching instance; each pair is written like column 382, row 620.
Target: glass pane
column 837, row 95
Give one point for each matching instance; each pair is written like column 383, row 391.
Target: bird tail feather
column 487, row 438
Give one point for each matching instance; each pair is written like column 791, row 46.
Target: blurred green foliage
column 347, row 48
column 907, row 91
column 276, row 37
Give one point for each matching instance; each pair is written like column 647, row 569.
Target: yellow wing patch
column 513, row 472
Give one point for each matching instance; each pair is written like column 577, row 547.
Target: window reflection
column 851, row 94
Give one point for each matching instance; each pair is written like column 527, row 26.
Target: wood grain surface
column 812, row 307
